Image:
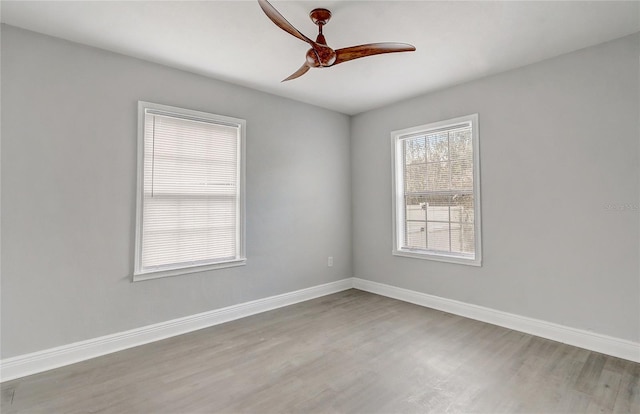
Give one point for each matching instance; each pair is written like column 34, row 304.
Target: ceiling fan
column 320, row 55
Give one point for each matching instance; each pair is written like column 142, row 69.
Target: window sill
column 438, row 257
column 138, row 277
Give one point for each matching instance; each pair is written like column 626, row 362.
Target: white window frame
column 139, row 272
column 398, row 209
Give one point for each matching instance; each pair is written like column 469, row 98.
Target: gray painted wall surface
column 559, row 144
column 69, row 115
column 558, row 147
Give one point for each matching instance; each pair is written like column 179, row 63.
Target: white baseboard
column 23, row 365
column 33, row 363
column 583, row 339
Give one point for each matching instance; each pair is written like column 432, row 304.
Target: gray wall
column 558, row 145
column 69, row 115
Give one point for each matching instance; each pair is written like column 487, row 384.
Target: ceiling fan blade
column 303, row 69
column 356, row 52
column 282, row 23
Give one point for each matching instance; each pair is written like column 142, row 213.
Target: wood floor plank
column 351, row 352
column 628, row 398
column 588, row 377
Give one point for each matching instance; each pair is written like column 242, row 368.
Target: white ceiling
column 234, row 41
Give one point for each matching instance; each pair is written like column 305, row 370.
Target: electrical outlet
column 330, row 261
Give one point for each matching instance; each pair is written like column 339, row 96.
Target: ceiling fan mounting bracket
column 320, row 16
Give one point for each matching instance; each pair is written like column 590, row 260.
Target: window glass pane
column 415, row 235
column 437, row 207
column 462, row 174
column 461, row 145
column 414, row 151
column 468, row 238
column 462, row 239
column 462, row 208
column 438, row 176
column 438, row 147
column 456, row 237
column 415, row 208
column 415, row 178
column 438, row 236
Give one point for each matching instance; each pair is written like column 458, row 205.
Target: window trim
column 138, row 273
column 397, row 177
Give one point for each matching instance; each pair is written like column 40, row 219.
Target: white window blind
column 190, row 204
column 436, row 203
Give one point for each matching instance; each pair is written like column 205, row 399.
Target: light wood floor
column 351, row 352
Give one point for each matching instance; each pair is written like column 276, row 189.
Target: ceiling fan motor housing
column 321, row 58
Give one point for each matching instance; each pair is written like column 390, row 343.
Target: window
column 190, row 211
column 436, row 199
